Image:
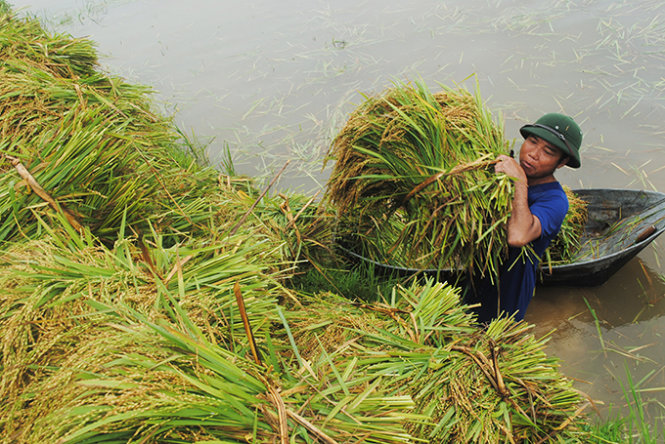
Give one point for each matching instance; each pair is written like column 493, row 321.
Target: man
column 538, row 209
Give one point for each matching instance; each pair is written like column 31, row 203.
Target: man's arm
column 523, row 226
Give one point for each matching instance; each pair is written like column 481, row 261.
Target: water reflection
column 635, row 293
column 600, row 333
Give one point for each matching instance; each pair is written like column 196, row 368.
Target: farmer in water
column 538, row 208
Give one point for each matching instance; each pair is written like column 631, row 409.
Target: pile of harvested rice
column 116, row 352
column 188, row 332
column 83, row 144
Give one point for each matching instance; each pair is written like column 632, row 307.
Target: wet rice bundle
column 466, row 386
column 83, row 144
column 85, row 147
column 72, row 312
column 413, row 181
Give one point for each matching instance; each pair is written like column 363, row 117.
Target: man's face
column 539, row 158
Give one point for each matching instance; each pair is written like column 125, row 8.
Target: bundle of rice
column 496, row 386
column 79, row 356
column 414, row 183
column 81, row 143
column 85, row 147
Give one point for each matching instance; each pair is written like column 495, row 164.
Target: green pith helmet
column 561, row 131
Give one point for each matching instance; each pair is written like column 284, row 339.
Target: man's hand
column 523, row 227
column 510, row 167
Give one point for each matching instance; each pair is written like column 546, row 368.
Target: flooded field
column 274, row 81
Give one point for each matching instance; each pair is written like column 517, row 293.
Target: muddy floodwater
column 274, row 80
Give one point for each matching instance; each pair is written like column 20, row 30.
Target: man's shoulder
column 552, row 191
column 548, row 200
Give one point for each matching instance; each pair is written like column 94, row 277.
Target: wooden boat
column 621, row 224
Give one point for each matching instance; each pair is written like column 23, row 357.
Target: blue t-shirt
column 517, row 277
